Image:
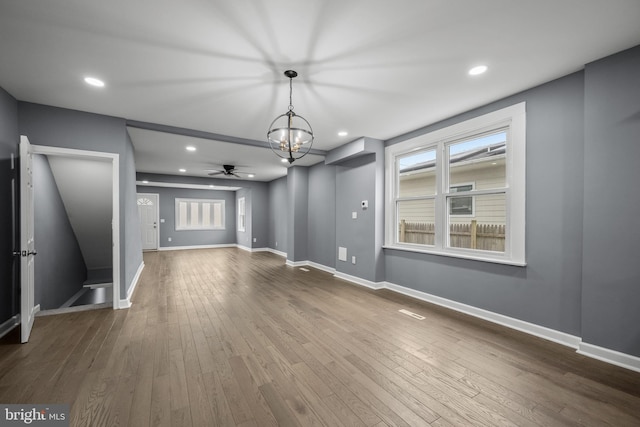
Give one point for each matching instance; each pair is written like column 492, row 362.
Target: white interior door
column 148, row 214
column 27, row 241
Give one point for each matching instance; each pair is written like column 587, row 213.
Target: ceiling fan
column 227, row 171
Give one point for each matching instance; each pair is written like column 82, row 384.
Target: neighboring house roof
column 493, row 150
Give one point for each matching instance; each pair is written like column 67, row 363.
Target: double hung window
column 460, row 191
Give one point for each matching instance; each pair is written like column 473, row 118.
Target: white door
column 27, row 245
column 148, row 214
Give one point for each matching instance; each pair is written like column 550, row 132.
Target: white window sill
column 452, row 254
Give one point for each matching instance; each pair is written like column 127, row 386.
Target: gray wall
column 59, row 127
column 259, row 199
column 355, row 182
column 611, row 249
column 297, row 213
column 322, row 215
column 547, row 291
column 278, row 211
column 192, row 237
column 60, row 269
column 9, row 266
column 132, row 245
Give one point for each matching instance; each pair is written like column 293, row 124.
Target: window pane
column 206, row 215
column 182, row 217
column 486, row 230
column 416, row 220
column 480, row 160
column 417, row 174
column 217, row 215
column 194, row 214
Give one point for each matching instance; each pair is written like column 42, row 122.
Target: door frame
column 157, row 196
column 115, row 203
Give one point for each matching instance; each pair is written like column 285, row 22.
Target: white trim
column 276, row 252
column 520, row 325
column 617, row 358
column 36, row 309
column 359, row 281
column 290, row 263
column 185, row 248
column 115, row 204
column 135, row 280
column 321, row 267
column 192, row 186
column 260, row 250
column 9, row 324
column 244, row 248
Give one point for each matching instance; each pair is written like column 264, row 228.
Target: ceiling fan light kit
column 290, row 135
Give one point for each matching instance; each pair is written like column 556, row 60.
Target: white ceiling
column 375, row 68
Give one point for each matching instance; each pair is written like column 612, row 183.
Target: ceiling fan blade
column 215, row 173
column 235, row 174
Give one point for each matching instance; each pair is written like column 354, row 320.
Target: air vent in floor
column 412, row 314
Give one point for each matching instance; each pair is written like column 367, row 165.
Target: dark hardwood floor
column 224, row 337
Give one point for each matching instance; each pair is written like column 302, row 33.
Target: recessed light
column 343, row 133
column 251, row 175
column 182, row 170
column 145, row 182
column 94, row 82
column 284, row 160
column 211, row 186
column 190, row 148
column 477, row 70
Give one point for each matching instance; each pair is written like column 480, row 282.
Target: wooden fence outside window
column 486, row 237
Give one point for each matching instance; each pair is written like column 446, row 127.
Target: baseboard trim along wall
column 184, row 248
column 9, row 324
column 126, row 303
column 606, row 355
column 610, row 356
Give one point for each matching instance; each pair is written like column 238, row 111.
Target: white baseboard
column 520, row 325
column 296, row 263
column 610, row 356
column 9, row 324
column 185, row 248
column 276, row 252
column 359, row 281
column 244, row 248
column 126, row 303
column 321, row 267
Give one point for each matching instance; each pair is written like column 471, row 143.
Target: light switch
column 162, row 220
column 353, row 259
column 354, row 215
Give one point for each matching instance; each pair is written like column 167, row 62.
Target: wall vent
column 412, row 314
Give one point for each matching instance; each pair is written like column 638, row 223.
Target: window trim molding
column 513, row 117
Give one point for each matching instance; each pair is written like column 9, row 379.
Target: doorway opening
column 87, row 185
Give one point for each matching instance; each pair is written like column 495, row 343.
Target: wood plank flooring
column 224, row 337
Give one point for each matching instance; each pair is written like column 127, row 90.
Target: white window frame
column 513, row 119
column 200, row 203
column 242, row 214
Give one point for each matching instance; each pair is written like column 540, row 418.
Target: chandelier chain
column 290, row 94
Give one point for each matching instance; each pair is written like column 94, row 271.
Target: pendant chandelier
column 290, row 135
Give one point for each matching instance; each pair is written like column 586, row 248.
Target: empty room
column 359, row 213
